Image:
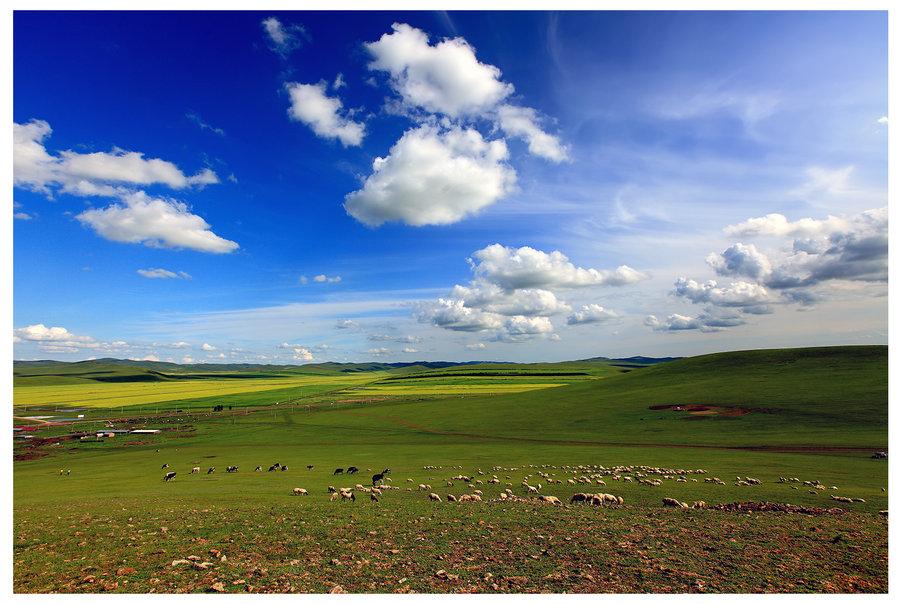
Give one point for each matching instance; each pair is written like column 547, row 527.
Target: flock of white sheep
column 535, row 477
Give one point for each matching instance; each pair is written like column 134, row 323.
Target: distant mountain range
column 329, row 367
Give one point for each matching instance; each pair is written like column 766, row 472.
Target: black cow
column 210, row 471
column 164, row 466
column 272, row 468
column 169, row 476
column 231, row 469
column 258, row 469
column 284, row 468
column 385, row 471
column 352, row 470
column 338, row 471
column 377, row 478
column 309, row 467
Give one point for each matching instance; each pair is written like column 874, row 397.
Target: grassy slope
column 817, row 396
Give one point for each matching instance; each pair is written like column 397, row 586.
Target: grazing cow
column 258, row 469
column 211, row 470
column 195, row 470
column 284, row 468
column 376, row 478
column 338, row 471
column 164, row 466
column 298, row 491
column 309, row 467
column 386, row 471
column 352, row 470
column 169, row 476
column 231, row 469
column 272, row 468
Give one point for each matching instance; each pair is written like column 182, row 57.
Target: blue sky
column 181, row 179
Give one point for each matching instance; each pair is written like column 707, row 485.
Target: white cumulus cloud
column 526, row 267
column 90, row 173
column 155, row 222
column 591, row 313
column 442, row 78
column 433, row 176
column 311, row 105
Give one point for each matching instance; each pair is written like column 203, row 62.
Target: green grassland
column 814, row 414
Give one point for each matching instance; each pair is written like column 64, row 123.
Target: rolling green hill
column 817, row 397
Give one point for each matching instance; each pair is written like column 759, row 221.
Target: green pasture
column 813, row 414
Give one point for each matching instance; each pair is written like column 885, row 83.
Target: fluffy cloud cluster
column 320, row 279
column 138, row 217
column 298, row 352
column 526, row 267
column 810, row 254
column 433, row 176
column 90, row 173
column 749, row 297
column 443, row 78
column 709, row 321
column 591, row 313
column 444, row 170
column 853, row 248
column 161, row 273
column 512, row 297
column 155, row 222
column 56, row 340
column 311, row 105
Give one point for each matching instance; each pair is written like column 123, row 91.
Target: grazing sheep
column 474, row 497
column 531, row 490
column 579, row 498
column 373, row 497
column 465, row 497
column 334, row 496
column 194, row 470
column 348, row 495
column 331, row 489
column 504, row 496
column 883, row 513
column 477, row 492
column 423, row 487
column 451, row 497
column 550, row 499
column 298, row 491
column 668, row 502
column 434, row 497
column 699, row 505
